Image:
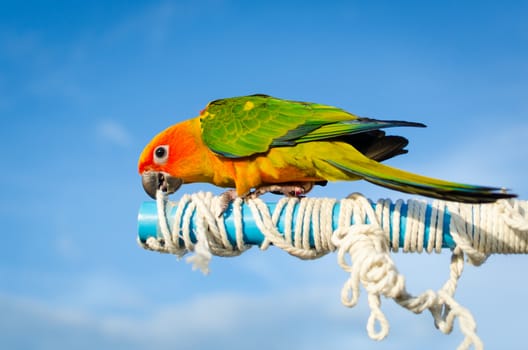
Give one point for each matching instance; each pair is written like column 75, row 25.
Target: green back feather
column 243, row 126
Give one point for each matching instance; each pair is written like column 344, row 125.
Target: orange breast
column 272, row 168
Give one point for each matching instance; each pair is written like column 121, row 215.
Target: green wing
column 243, row 126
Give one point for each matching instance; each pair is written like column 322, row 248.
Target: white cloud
column 307, row 317
column 114, row 132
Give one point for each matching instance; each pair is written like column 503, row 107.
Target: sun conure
column 259, row 144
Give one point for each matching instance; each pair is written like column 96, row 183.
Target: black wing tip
column 417, row 124
column 389, row 123
column 405, row 123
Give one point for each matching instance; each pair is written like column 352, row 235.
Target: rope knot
column 370, row 266
column 367, row 247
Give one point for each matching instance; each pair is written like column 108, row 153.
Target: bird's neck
column 192, row 159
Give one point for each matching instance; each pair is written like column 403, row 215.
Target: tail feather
column 404, row 181
column 376, row 145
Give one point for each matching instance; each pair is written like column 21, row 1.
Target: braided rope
column 478, row 231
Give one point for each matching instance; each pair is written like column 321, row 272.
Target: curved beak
column 159, row 180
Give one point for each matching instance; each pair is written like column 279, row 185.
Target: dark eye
column 161, row 154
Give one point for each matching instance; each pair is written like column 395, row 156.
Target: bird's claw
column 226, row 199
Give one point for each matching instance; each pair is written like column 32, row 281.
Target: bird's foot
column 290, row 189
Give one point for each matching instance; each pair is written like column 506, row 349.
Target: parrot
column 258, row 143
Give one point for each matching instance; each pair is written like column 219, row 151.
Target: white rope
column 478, row 231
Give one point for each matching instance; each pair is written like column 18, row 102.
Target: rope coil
column 477, row 230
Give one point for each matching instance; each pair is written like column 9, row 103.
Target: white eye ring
column 161, row 154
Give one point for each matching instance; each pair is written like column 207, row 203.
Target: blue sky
column 85, row 85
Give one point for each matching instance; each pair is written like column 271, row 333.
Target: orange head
column 155, row 162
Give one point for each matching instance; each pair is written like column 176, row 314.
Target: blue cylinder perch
column 412, row 225
column 148, row 222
